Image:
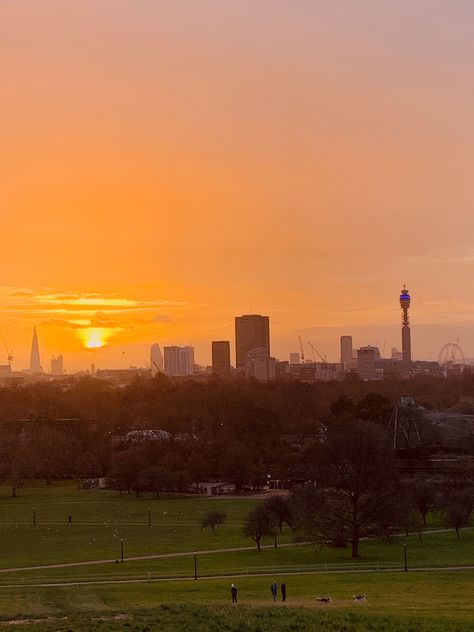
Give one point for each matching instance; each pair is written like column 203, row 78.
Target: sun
column 95, row 337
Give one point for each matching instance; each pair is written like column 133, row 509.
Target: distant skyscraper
column 57, row 365
column 156, row 359
column 35, row 360
column 406, row 336
column 367, row 358
column 251, row 332
column 346, row 351
column 179, row 361
column 221, row 358
column 260, row 366
column 294, row 358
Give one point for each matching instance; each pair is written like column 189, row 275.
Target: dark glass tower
column 252, row 331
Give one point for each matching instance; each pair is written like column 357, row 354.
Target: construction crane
column 315, row 351
column 302, row 350
column 9, row 353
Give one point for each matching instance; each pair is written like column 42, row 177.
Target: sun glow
column 95, row 337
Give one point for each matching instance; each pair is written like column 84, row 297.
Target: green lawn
column 102, row 518
column 396, row 600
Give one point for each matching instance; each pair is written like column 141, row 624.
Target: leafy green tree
column 19, row 461
column 236, row 464
column 126, row 469
column 374, row 407
column 344, row 406
column 154, row 479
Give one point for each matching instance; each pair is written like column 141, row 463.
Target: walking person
column 274, row 590
column 283, row 591
column 233, row 592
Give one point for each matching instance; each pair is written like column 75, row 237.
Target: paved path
column 179, row 554
column 202, row 552
column 148, row 580
column 149, row 557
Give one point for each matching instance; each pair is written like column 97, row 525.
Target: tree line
column 357, row 492
column 322, row 437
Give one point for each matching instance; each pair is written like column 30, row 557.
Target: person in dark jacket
column 233, row 592
column 283, row 591
column 274, row 590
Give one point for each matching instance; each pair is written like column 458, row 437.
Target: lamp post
column 121, row 549
column 275, row 537
column 195, row 567
column 405, row 557
column 34, row 516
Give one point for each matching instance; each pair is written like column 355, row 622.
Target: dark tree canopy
column 356, row 486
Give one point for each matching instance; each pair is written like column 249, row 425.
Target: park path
column 151, row 580
column 157, row 556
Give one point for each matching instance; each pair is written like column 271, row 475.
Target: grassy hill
column 160, row 593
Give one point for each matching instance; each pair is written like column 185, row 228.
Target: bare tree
column 355, row 489
column 281, row 510
column 457, row 509
column 424, row 497
column 213, row 519
column 258, row 524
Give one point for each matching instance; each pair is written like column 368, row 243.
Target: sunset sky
column 167, row 165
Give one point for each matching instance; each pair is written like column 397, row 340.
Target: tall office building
column 35, row 359
column 260, row 366
column 221, row 358
column 406, row 336
column 346, row 351
column 156, row 359
column 57, row 365
column 251, row 332
column 367, row 358
column 179, row 361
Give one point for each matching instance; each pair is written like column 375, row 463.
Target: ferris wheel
column 451, row 353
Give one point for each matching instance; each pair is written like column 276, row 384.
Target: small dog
column 324, row 599
column 359, row 598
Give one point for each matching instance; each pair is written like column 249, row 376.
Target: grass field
column 183, row 618
column 441, row 601
column 413, row 600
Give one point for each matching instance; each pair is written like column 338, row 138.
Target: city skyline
column 253, row 329
column 298, row 161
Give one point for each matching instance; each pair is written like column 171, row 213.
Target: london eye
column 451, row 353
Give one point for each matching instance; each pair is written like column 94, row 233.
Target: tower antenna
column 405, row 301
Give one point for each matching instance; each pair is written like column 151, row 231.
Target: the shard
column 35, row 360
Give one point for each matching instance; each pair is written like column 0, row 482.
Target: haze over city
column 167, row 168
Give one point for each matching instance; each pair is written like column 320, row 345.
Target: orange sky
column 168, row 165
